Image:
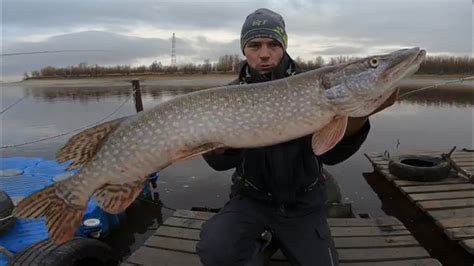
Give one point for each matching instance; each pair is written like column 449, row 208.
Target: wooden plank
column 415, row 262
column 455, row 222
column 339, row 222
column 445, row 204
column 468, row 244
column 368, row 254
column 369, row 231
column 441, row 195
column 340, row 242
column 462, row 164
column 153, row 256
column 193, row 214
column 375, row 241
column 387, row 174
column 183, row 222
column 450, row 213
column 455, row 154
column 354, row 222
column 460, row 233
column 439, row 188
column 177, row 232
column 449, row 180
column 462, row 155
column 174, row 244
column 460, row 159
column 378, row 254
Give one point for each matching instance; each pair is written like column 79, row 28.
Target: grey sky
column 138, row 32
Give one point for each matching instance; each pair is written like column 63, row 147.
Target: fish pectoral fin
column 83, row 146
column 115, row 198
column 62, row 219
column 326, row 138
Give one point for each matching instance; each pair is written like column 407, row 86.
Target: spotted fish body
column 116, row 157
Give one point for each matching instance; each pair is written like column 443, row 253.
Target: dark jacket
column 284, row 173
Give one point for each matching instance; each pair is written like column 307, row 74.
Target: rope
column 13, row 104
column 461, row 80
column 69, row 132
column 159, row 203
column 6, row 218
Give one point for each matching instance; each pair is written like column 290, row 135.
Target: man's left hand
column 354, row 124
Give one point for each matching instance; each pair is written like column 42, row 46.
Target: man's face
column 263, row 54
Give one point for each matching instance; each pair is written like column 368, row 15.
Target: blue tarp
column 36, row 174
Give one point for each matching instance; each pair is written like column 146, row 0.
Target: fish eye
column 374, row 62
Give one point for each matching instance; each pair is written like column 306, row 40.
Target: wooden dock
column 449, row 202
column 381, row 241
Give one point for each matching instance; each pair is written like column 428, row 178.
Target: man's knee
column 221, row 245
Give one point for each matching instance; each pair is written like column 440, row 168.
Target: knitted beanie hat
column 263, row 23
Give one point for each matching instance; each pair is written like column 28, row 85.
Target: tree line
column 230, row 64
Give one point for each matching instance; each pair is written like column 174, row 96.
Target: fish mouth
column 405, row 63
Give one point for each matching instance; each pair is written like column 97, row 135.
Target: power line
column 13, row 104
column 72, row 131
column 461, row 80
column 53, row 51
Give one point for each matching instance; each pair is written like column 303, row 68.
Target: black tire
column 6, row 209
column 79, row 251
column 419, row 168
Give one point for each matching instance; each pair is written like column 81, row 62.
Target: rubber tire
column 437, row 170
column 79, row 251
column 6, row 209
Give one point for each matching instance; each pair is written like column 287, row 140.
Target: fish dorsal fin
column 326, row 138
column 81, row 147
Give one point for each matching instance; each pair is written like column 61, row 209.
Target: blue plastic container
column 35, row 174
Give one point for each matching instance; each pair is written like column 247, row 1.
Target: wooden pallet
column 380, row 241
column 449, row 202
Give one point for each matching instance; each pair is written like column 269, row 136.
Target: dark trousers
column 234, row 235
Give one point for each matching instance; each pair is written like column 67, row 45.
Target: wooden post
column 137, row 95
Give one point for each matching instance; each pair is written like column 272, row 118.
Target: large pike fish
column 117, row 157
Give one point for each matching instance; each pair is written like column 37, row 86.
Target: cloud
column 339, row 50
column 44, row 16
column 136, row 32
column 104, row 48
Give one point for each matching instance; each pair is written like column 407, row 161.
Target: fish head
column 358, row 88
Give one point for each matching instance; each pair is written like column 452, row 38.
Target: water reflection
column 97, row 93
column 420, row 121
column 459, row 96
column 81, row 94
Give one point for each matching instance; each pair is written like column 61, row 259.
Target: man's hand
column 354, row 124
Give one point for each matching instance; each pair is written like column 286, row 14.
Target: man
column 277, row 189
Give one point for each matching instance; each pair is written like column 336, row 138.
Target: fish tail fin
column 62, row 219
column 116, row 198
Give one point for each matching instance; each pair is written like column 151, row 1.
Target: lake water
column 432, row 120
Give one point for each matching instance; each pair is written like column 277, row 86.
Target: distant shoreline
column 193, row 80
column 133, row 76
column 189, row 76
